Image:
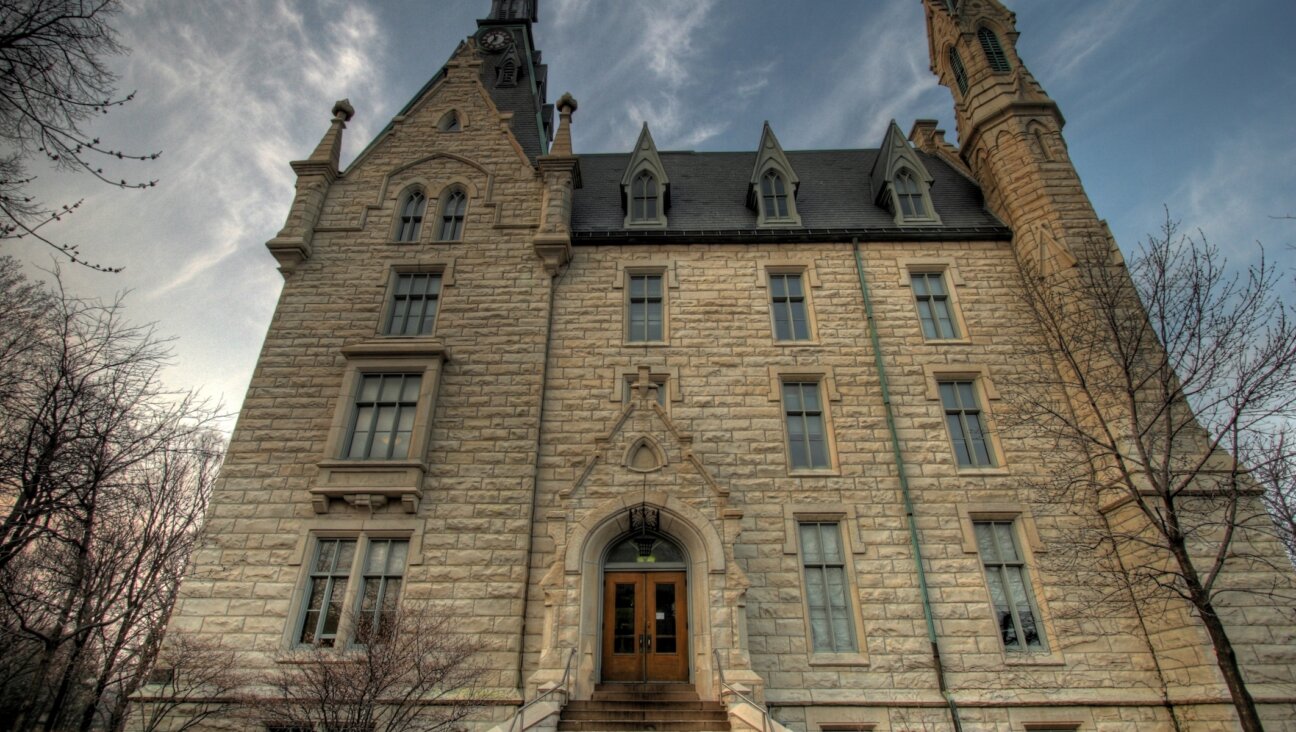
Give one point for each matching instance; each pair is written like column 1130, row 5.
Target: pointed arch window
column 449, row 122
column 909, row 195
column 960, row 74
column 774, row 196
column 454, row 206
column 644, row 202
column 994, row 52
column 412, row 209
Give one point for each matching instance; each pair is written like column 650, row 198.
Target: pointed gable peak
column 896, row 153
column 643, row 157
column 769, row 153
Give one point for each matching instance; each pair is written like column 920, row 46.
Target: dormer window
column 994, row 52
column 773, row 184
column 454, row 204
column 643, row 199
column 645, row 186
column 774, row 198
column 909, row 195
column 412, row 209
column 956, row 67
column 508, row 74
column 901, row 181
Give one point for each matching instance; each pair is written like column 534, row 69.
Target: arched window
column 956, row 66
column 643, row 198
column 774, row 195
column 449, row 122
column 453, row 206
column 994, row 52
column 909, row 195
column 508, row 74
column 411, row 216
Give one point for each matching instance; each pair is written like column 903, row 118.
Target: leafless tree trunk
column 416, row 675
column 104, row 478
column 1169, row 379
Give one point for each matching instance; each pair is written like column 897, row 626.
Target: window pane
column 831, row 543
column 792, row 397
column 986, row 542
column 782, row 323
column 810, row 395
column 800, row 327
column 377, row 561
column 665, row 619
column 623, row 619
column 958, row 439
column 369, row 388
column 810, row 543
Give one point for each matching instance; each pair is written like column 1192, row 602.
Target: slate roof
column 518, row 99
column 709, row 193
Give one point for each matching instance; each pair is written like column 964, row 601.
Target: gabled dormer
column 645, row 187
column 901, row 183
column 773, row 189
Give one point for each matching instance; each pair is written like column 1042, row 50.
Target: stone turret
column 561, row 172
column 1010, row 132
column 292, row 245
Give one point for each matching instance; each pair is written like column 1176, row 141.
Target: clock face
column 495, row 39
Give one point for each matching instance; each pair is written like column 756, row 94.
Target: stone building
column 653, row 416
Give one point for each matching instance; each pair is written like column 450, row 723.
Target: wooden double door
column 645, row 627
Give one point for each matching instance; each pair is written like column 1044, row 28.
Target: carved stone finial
column 342, row 108
column 562, row 138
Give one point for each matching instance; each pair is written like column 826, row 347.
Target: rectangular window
column 413, row 307
column 1010, row 589
column 934, row 306
column 803, row 411
column 326, row 591
column 645, row 317
column 338, row 585
column 383, row 418
column 787, row 301
column 832, row 625
column 963, row 418
column 384, row 570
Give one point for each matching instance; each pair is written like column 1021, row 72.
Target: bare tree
column 417, row 674
column 104, row 480
column 1168, row 382
column 53, row 79
column 194, row 680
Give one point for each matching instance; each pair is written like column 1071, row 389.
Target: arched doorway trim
column 583, row 560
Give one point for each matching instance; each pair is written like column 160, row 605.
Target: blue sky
column 1188, row 104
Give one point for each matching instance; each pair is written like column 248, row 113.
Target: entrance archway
column 645, row 628
column 587, row 546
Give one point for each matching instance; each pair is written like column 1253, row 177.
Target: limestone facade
column 537, row 426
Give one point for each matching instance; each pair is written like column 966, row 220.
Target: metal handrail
column 562, row 685
column 765, row 714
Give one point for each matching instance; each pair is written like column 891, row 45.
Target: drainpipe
column 904, row 491
column 554, row 279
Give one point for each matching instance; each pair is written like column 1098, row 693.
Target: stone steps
column 644, row 708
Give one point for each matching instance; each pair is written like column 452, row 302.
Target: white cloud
column 1233, row 195
column 230, row 92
